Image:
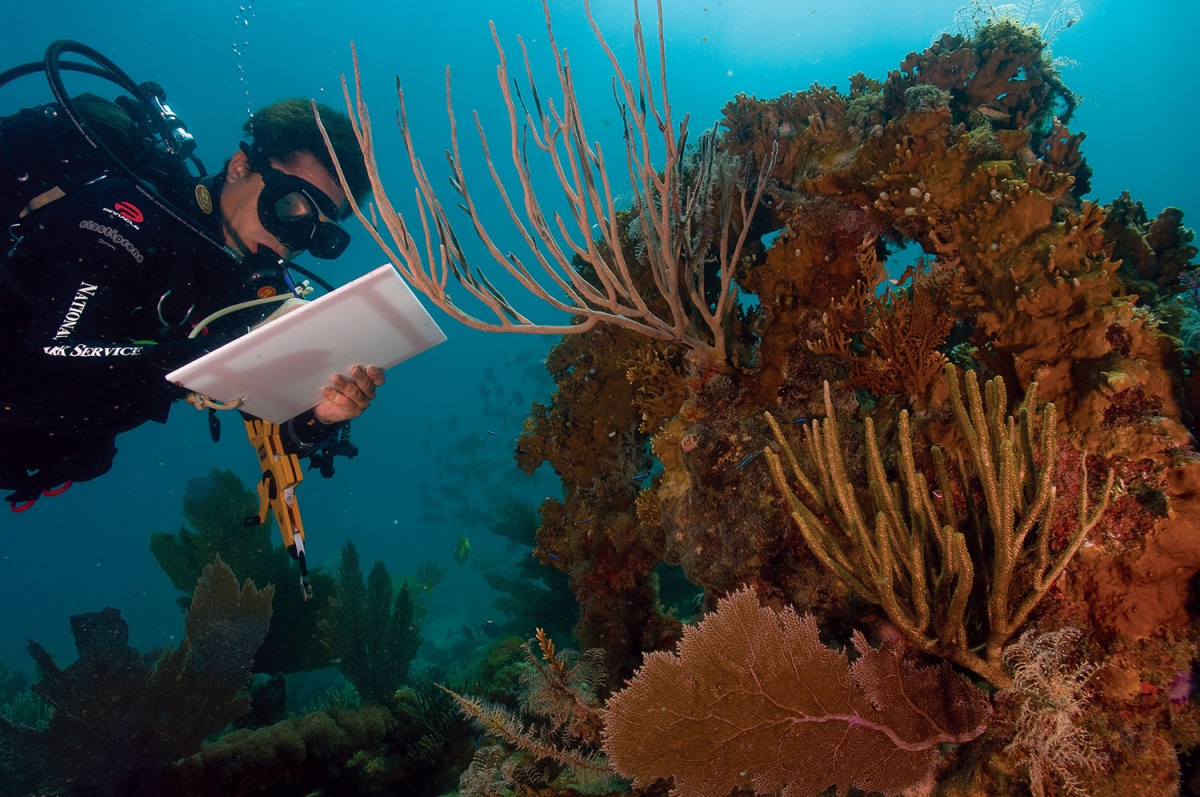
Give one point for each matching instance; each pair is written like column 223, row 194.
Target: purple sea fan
column 1181, row 688
column 754, row 699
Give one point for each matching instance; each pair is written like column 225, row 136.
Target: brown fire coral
column 590, row 436
column 891, row 339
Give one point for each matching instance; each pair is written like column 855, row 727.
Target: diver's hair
column 286, row 128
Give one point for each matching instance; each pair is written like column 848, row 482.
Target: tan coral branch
column 914, row 562
column 662, row 295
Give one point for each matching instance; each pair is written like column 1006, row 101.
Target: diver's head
column 288, row 128
column 281, row 192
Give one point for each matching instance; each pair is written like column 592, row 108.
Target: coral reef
column 415, row 742
column 413, row 747
column 932, row 222
column 156, row 708
column 964, row 156
column 183, row 721
column 595, row 535
column 294, row 756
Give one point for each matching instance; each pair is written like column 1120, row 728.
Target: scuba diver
column 102, row 285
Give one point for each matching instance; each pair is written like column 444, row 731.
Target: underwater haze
column 437, row 446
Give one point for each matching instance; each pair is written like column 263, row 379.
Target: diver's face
column 239, row 201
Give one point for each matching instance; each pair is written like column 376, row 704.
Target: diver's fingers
column 367, row 379
column 347, row 392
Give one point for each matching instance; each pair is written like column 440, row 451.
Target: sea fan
column 753, row 699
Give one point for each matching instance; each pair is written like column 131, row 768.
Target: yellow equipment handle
column 277, row 492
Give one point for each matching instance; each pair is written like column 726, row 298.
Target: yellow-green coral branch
column 915, row 563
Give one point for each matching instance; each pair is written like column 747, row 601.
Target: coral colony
column 918, row 528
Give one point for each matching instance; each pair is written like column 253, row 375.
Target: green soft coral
column 215, row 507
column 373, row 633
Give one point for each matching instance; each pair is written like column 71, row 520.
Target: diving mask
column 295, row 211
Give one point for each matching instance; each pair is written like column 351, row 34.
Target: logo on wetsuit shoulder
column 112, row 235
column 80, row 350
column 127, row 212
column 203, row 198
column 266, row 292
column 130, row 211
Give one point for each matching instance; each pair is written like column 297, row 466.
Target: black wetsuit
column 97, row 298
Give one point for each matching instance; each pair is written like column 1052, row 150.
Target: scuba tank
column 52, row 149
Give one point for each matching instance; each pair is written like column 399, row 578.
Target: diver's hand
column 346, row 398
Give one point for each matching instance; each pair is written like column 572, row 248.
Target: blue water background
column 437, row 445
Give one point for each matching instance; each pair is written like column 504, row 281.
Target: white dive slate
column 277, row 369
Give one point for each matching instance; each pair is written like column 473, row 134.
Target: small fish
column 462, row 550
column 746, row 461
column 995, row 114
